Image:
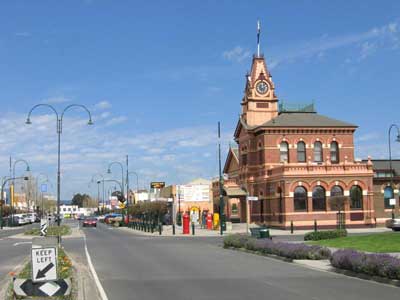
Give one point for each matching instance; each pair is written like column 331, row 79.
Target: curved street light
column 98, row 188
column 60, row 118
column 28, row 169
column 390, row 159
column 137, row 180
column 2, row 199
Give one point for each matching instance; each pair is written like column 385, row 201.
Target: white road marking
column 21, row 243
column 93, row 271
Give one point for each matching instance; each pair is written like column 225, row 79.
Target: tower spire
column 258, row 37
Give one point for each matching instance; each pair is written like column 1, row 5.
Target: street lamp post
column 2, row 198
column 137, row 179
column 13, row 184
column 390, row 159
column 60, row 118
column 98, row 182
column 122, row 180
column 41, row 192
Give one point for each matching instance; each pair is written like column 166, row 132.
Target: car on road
column 89, row 221
column 393, row 224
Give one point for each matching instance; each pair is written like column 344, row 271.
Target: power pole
column 221, row 196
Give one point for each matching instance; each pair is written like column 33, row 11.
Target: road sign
column 252, row 198
column 122, row 205
column 44, row 264
column 392, row 201
column 26, row 287
column 43, row 227
column 43, row 188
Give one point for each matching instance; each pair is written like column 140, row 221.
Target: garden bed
column 379, row 267
column 289, row 251
column 65, row 270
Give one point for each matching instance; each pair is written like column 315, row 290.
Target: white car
column 21, row 219
column 31, row 217
column 394, row 224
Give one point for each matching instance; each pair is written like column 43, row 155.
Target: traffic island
column 62, row 230
column 38, row 281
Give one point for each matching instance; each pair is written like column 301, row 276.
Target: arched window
column 318, row 198
column 284, row 149
column 301, row 152
column 336, row 191
column 300, row 199
column 356, row 197
column 387, row 195
column 318, row 151
column 334, row 152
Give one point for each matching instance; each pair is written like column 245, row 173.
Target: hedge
column 382, row 265
column 324, row 235
column 284, row 249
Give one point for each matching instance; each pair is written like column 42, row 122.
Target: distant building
column 195, row 196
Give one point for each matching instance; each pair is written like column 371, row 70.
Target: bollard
column 192, row 228
column 315, row 226
column 173, row 229
column 291, row 227
column 152, row 227
column 159, row 228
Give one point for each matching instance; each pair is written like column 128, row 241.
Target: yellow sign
column 121, row 205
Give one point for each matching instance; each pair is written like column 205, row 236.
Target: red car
column 89, row 222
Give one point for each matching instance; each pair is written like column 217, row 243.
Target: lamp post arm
column 390, row 151
column 90, row 122
column 28, row 119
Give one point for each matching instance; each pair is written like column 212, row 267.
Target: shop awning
column 234, row 192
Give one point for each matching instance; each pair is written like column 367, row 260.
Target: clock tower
column 259, row 103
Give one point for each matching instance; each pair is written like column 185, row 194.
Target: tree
column 83, row 200
column 338, row 203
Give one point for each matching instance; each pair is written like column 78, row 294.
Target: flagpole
column 258, row 37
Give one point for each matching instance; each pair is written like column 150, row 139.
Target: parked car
column 90, row 221
column 111, row 218
column 32, row 217
column 393, row 224
column 22, row 219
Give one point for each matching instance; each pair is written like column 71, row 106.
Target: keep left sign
column 44, row 264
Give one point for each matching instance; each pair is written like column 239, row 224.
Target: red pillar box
column 186, row 224
column 209, row 221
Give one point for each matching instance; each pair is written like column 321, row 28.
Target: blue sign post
column 43, row 188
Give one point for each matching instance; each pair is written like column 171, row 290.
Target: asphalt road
column 137, row 267
column 13, row 251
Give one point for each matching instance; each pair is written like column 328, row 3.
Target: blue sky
column 158, row 75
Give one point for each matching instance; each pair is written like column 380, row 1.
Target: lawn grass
column 378, row 242
column 51, row 231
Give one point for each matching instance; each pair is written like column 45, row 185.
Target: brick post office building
column 294, row 160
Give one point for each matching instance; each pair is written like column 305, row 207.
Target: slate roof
column 383, row 165
column 301, row 119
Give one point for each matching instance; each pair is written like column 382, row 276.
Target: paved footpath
column 132, row 266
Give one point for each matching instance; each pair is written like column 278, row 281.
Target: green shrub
column 236, row 241
column 325, row 235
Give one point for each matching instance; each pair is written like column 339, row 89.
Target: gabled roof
column 232, row 154
column 301, row 119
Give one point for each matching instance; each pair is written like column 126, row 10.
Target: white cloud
column 237, row 54
column 175, row 155
column 56, row 100
column 116, row 120
column 102, row 105
column 368, row 42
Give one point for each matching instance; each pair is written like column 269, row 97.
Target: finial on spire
column 258, row 37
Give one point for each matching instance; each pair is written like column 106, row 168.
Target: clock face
column 262, row 87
